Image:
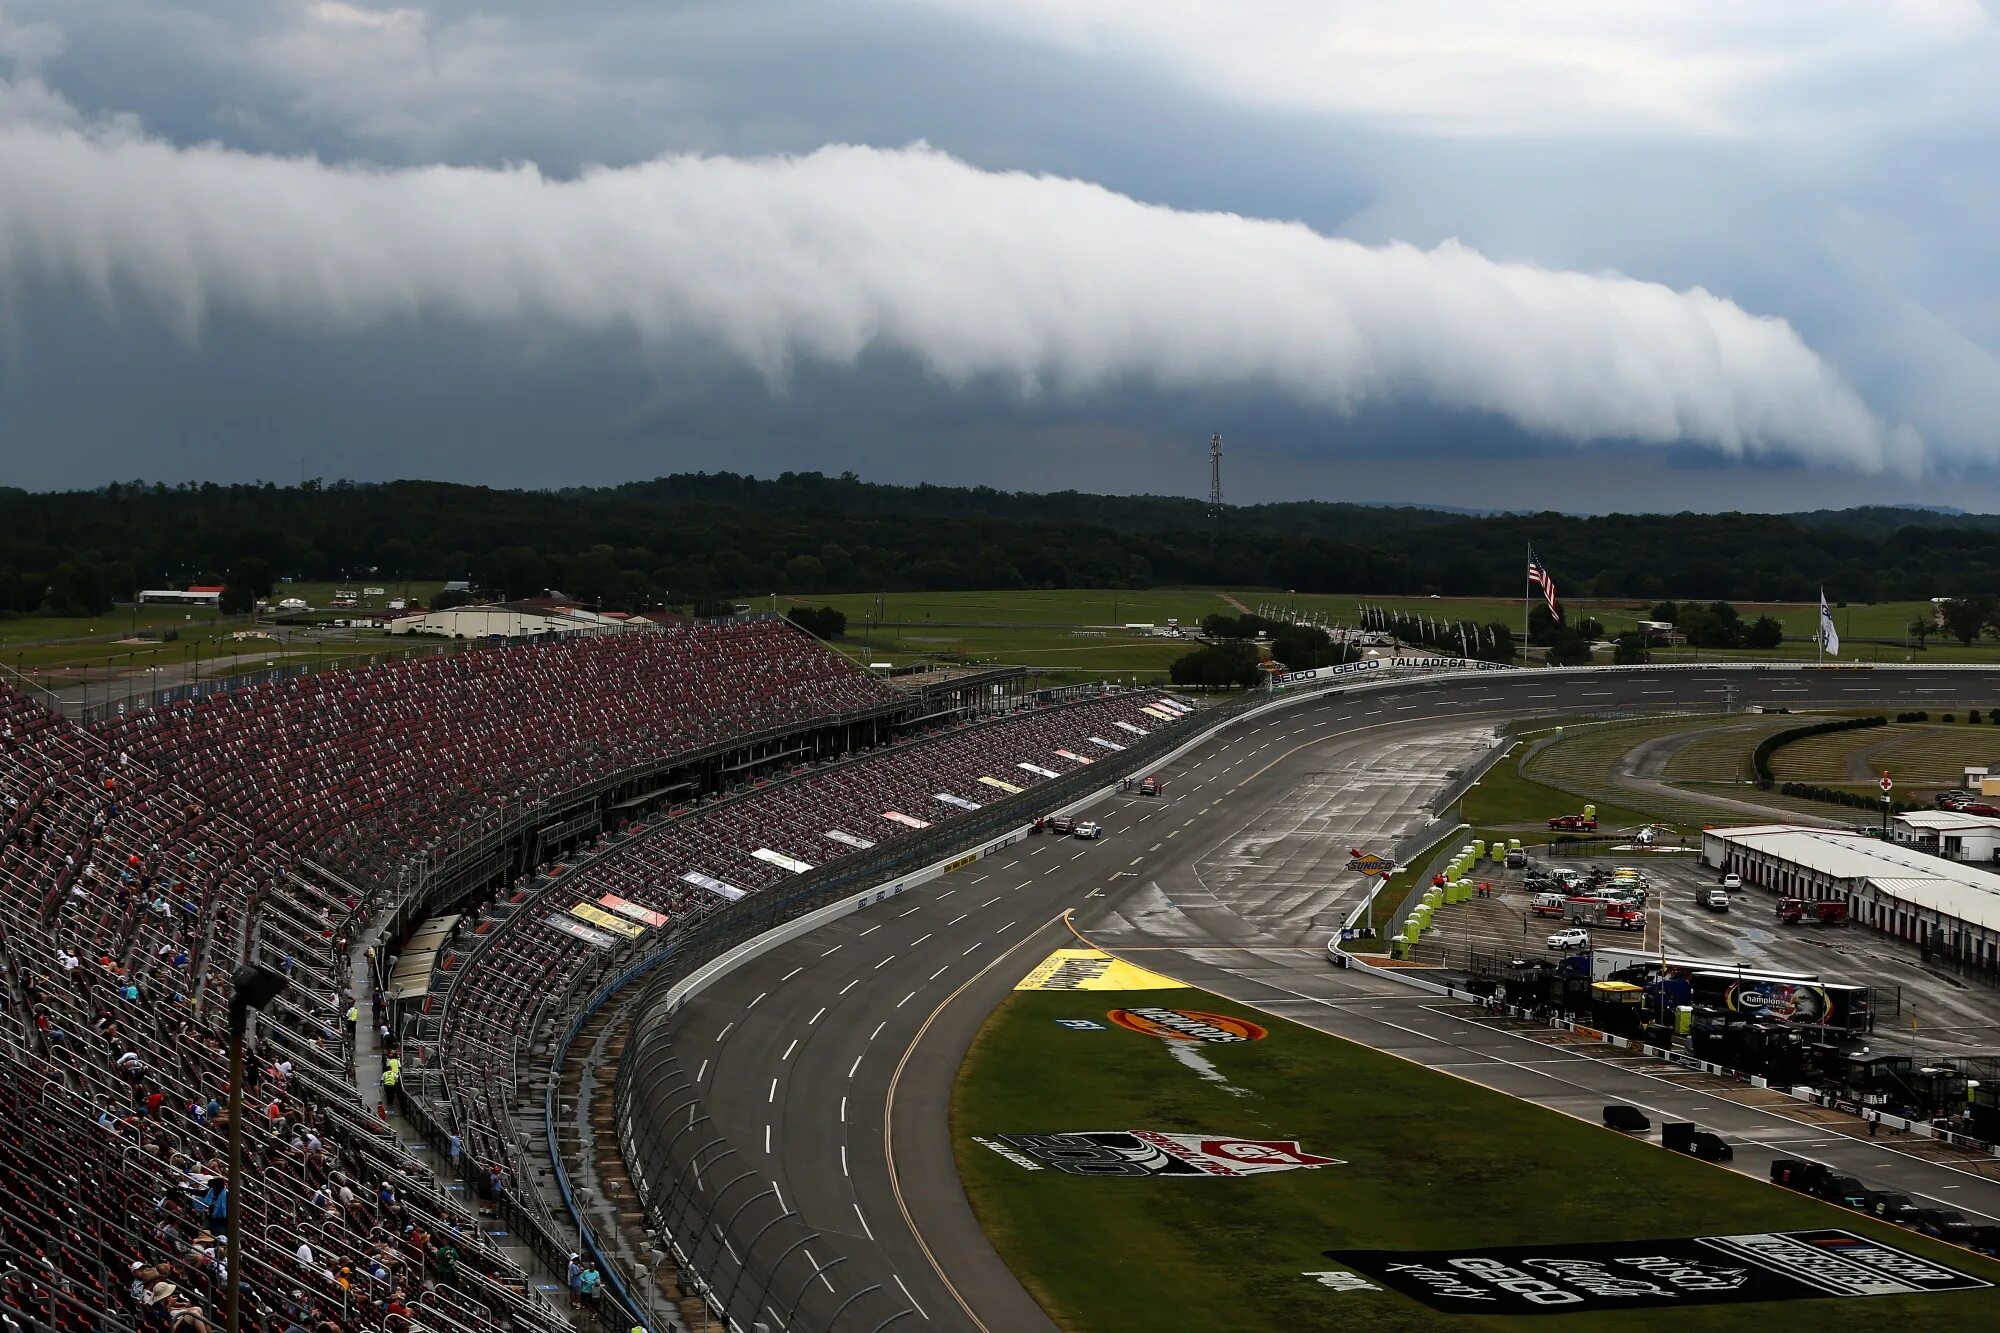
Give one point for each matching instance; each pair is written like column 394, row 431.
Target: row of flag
column 1540, row 580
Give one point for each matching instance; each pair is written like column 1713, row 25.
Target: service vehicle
column 294, row 604
column 1731, row 881
column 1061, row 825
column 1893, row 1207
column 1088, row 828
column 1715, row 900
column 1549, row 904
column 1573, row 824
column 1576, row 937
column 1794, row 911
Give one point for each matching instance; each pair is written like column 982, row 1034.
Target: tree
column 1922, row 628
column 1631, row 650
column 253, row 574
column 1765, row 633
column 237, row 599
column 1966, row 618
column 1666, row 611
column 451, row 597
column 825, row 623
column 1217, row 666
column 1569, row 649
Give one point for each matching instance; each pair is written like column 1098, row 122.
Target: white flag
column 1829, row 637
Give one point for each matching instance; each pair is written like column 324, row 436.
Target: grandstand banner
column 1160, row 713
column 597, row 916
column 1127, row 726
column 791, row 863
column 841, row 836
column 958, row 801
column 1071, row 754
column 1174, row 706
column 1039, row 771
column 713, row 885
column 569, row 925
column 898, row 817
column 1109, row 745
column 1003, row 786
column 626, row 907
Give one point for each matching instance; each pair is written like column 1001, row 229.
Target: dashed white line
column 975, row 879
column 843, row 1160
column 850, row 985
column 888, row 959
column 760, row 995
column 947, row 893
column 767, row 1141
column 786, row 1056
column 774, row 1084
column 920, row 939
column 864, row 1223
column 906, row 999
column 856, row 1065
column 834, row 950
column 816, row 1017
column 878, row 1029
column 911, row 1299
column 702, row 1072
column 843, row 1110
column 789, row 975
column 911, row 910
column 1010, row 925
column 1024, row 884
column 990, row 901
column 872, row 929
column 975, row 945
column 935, row 975
column 725, row 1029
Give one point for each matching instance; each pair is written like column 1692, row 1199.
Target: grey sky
column 1717, row 256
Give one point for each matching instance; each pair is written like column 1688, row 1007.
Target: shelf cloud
column 1041, row 284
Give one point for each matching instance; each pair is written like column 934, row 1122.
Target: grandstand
column 614, row 786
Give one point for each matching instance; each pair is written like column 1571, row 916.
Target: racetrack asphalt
column 832, row 1056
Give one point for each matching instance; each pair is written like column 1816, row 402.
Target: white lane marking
column 911, row 910
column 1150, row 813
column 911, row 1299
column 789, row 975
column 843, row 1160
column 702, row 1072
column 885, row 962
column 935, row 975
column 975, row 879
column 960, row 917
column 920, row 939
column 780, row 1198
column 1010, row 925
column 1074, row 857
column 843, row 1110
column 834, row 950
column 878, row 1029
column 990, row 901
column 1024, row 884
column 760, row 995
column 906, row 999
column 725, row 1029
column 1135, row 860
column 856, row 1065
column 816, row 1017
column 786, row 1056
column 1596, row 694
column 1656, row 691
column 1541, row 696
column 872, row 929
column 947, row 893
column 774, row 1088
column 864, row 1223
column 975, row 945
column 850, row 985
column 767, row 1140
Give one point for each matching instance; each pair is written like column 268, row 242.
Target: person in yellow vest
column 392, row 1074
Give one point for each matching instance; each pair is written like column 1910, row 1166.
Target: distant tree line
column 708, row 538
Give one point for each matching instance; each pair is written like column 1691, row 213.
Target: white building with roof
column 1948, row 906
column 1947, row 833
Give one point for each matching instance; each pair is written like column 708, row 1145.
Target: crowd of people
column 143, row 859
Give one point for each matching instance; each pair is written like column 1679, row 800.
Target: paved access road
column 833, row 1055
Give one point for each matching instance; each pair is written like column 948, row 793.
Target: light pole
column 252, row 987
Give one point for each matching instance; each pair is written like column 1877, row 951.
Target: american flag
column 1541, row 578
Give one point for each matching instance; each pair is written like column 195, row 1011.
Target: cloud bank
column 1045, row 284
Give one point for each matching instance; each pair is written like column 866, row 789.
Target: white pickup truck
column 1715, row 900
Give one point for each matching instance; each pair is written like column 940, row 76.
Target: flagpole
column 1527, row 596
column 1819, row 631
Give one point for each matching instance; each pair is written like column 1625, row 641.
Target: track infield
column 1427, row 1162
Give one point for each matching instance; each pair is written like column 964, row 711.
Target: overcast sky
column 1653, row 255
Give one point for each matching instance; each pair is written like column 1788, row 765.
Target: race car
column 1088, row 828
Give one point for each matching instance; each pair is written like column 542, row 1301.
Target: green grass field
column 1428, row 1161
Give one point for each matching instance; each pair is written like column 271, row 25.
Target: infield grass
column 1429, row 1161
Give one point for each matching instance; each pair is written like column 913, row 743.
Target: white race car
column 1088, row 828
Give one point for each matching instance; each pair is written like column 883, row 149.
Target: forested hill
column 704, row 535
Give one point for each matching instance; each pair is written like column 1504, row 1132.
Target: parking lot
column 1952, row 1015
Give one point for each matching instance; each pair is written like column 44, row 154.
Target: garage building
column 1947, row 833
column 1948, row 906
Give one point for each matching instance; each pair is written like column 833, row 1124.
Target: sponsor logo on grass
column 1140, row 1152
column 1187, row 1025
column 1614, row 1275
column 1080, row 1024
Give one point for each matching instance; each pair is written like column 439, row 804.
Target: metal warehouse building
column 1947, row 907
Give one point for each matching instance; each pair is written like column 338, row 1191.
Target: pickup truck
column 1573, row 824
column 1715, row 900
column 1060, row 825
